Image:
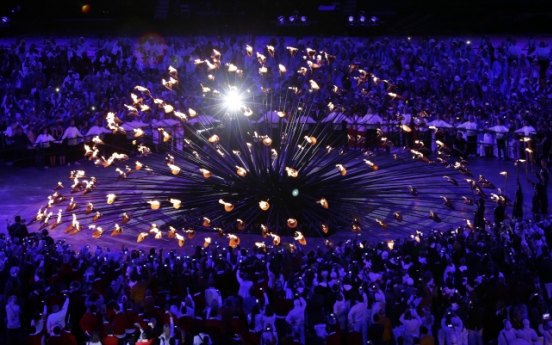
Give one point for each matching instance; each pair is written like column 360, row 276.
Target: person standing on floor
column 72, row 134
column 13, row 322
column 471, row 132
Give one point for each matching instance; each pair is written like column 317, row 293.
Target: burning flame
column 275, row 239
column 371, row 165
column 241, row 171
column 324, row 203
column 155, row 204
column 264, row 205
column 341, row 169
column 180, row 239
column 314, row 85
column 174, row 169
column 300, row 238
column 227, row 206
column 234, row 240
column 206, row 173
column 176, row 203
column 292, row 172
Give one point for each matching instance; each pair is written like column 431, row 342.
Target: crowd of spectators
column 494, row 91
column 490, row 284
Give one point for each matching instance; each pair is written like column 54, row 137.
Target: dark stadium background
column 397, row 17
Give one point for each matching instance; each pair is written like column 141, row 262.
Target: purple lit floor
column 23, row 191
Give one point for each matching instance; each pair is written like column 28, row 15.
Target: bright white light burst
column 233, row 100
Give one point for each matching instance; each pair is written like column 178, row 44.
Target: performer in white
column 96, row 130
column 471, row 131
column 488, row 144
column 527, row 130
column 355, row 130
column 438, row 124
column 335, row 120
column 501, row 136
column 72, row 134
column 405, row 120
column 372, row 122
column 44, row 142
column 336, row 117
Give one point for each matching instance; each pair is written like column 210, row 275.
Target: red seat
column 354, row 338
column 214, row 328
column 146, row 342
column 237, row 325
column 252, row 338
column 186, row 323
column 333, row 339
